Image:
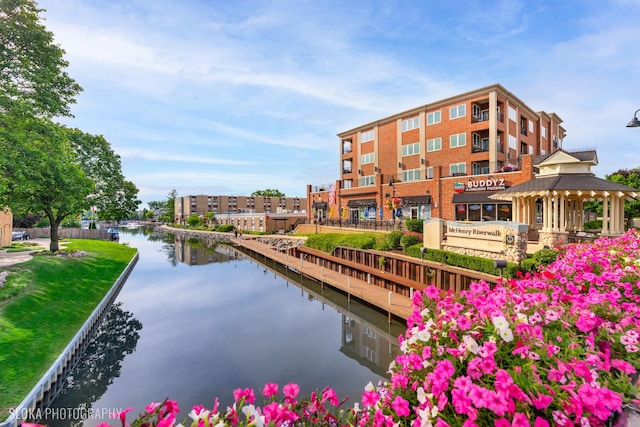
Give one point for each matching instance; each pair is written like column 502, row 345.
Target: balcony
column 346, row 171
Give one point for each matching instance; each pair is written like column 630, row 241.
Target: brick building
column 245, row 213
column 441, row 160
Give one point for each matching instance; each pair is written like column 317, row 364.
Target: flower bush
column 558, row 347
column 554, row 348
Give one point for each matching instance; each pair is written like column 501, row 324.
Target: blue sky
column 229, row 97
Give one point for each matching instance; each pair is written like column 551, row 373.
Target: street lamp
column 634, row 123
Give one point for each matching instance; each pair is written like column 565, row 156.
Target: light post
column 634, row 123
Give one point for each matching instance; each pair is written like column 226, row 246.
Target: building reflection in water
column 364, row 339
column 199, row 252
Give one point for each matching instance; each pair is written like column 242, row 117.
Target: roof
column 570, row 182
column 583, row 156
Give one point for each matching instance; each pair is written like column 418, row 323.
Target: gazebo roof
column 576, row 184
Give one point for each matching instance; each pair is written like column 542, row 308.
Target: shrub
column 410, row 239
column 483, row 265
column 224, row 228
column 194, row 220
column 415, row 225
column 592, row 225
column 545, row 256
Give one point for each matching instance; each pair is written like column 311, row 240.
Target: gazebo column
column 605, row 214
column 546, row 212
column 563, row 218
column 580, row 214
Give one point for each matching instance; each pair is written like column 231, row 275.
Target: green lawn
column 43, row 304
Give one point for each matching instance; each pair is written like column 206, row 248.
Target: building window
column 512, row 114
column 346, row 146
column 458, row 140
column 367, row 136
column 433, row 118
column 410, row 149
column 367, row 181
column 430, row 172
column 543, row 130
column 458, row 169
column 367, row 158
column 411, row 175
column 346, row 166
column 410, row 124
column 530, row 126
column 434, row 144
column 347, row 183
column 457, row 111
column 513, row 142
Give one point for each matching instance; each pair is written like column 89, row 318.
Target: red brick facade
column 475, row 136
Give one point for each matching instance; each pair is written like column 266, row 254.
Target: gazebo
column 563, row 184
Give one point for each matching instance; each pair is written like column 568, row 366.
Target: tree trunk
column 55, row 235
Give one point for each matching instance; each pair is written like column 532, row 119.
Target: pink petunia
column 370, row 398
column 329, row 395
column 270, row 390
column 291, row 391
column 401, row 406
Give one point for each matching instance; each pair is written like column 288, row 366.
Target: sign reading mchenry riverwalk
column 473, row 231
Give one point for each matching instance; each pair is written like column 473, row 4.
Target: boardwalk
column 392, row 303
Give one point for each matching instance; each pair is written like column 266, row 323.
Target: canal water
column 194, row 322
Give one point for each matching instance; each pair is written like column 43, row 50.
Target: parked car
column 19, row 235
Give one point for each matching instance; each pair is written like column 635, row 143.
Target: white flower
column 506, row 334
column 425, row 417
column 425, row 312
column 369, row 387
column 471, row 344
column 424, row 335
column 421, row 395
column 522, row 318
column 499, row 322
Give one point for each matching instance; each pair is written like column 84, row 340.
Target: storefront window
column 461, row 212
column 488, row 212
column 504, row 212
column 474, row 212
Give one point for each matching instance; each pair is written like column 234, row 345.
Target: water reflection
column 100, row 364
column 217, row 318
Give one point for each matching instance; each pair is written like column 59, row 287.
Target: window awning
column 475, row 197
column 416, row 200
column 360, row 203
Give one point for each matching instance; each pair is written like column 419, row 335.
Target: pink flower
column 291, row 391
column 329, row 395
column 541, row 401
column 270, row 390
column 401, row 406
column 151, row 407
column 541, row 422
column 370, row 398
column 122, row 415
column 246, row 394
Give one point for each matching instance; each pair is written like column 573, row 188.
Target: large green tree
column 39, row 170
column 32, row 66
column 115, row 198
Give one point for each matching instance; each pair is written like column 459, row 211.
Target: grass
column 43, row 304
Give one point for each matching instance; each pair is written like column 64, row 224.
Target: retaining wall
column 45, row 390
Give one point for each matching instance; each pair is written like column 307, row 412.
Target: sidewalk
column 8, row 259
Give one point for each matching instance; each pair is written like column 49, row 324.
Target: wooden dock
column 392, row 303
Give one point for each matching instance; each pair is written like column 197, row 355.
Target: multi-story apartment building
column 441, row 159
column 243, row 212
column 202, row 204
